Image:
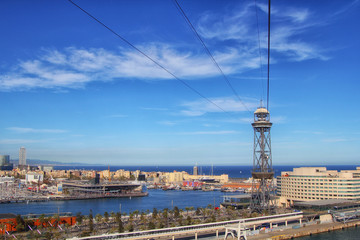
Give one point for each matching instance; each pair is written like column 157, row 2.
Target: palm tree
column 187, row 210
column 98, row 218
column 113, row 215
column 79, row 218
column 106, row 217
column 165, row 217
column 188, row 220
column 120, row 223
column 91, row 221
column 154, row 213
column 191, row 208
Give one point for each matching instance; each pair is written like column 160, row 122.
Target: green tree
column 198, row 211
column 42, row 220
column 20, row 223
column 130, row 226
column 113, row 215
column 188, row 220
column 119, row 222
column 106, row 217
column 143, row 219
column 191, row 208
column 154, row 213
column 187, row 210
column 79, row 218
column 151, row 225
column 98, row 218
column 56, row 217
column 91, row 221
column 180, row 220
column 176, row 212
column 136, row 213
column 165, row 217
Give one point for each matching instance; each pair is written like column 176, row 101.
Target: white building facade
column 22, row 156
column 317, row 183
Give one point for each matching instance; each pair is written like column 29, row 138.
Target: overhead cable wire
column 148, row 57
column 259, row 44
column 209, row 53
column 268, row 65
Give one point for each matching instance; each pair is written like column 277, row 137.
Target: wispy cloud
column 200, row 107
column 346, row 8
column 74, row 68
column 334, row 140
column 116, row 116
column 154, row 109
column 18, row 141
column 167, row 123
column 34, row 130
column 209, row 133
column 236, row 29
column 308, row 132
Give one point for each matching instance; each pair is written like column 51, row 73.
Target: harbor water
column 157, row 198
column 345, row 234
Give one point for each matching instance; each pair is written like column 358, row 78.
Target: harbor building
column 34, row 177
column 317, row 183
column 22, row 156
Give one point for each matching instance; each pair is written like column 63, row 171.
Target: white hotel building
column 317, row 183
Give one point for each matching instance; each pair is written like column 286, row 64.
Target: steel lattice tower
column 262, row 174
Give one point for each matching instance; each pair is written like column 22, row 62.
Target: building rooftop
column 261, row 110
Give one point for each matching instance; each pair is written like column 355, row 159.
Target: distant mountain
column 48, row 162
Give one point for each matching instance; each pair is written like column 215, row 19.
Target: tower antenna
column 262, row 173
column 268, row 65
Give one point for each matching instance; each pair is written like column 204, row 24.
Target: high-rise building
column 5, row 162
column 195, row 170
column 22, row 156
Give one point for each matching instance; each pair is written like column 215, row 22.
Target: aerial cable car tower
column 262, row 174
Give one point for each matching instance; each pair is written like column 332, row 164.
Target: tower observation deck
column 262, row 173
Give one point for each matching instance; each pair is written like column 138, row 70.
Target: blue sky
column 72, row 91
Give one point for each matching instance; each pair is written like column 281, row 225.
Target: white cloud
column 116, row 116
column 167, row 123
column 33, row 130
column 18, row 141
column 344, row 9
column 200, row 107
column 308, row 132
column 287, row 24
column 154, row 109
column 74, row 68
column 334, row 140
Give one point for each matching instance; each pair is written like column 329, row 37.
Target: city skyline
column 74, row 92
